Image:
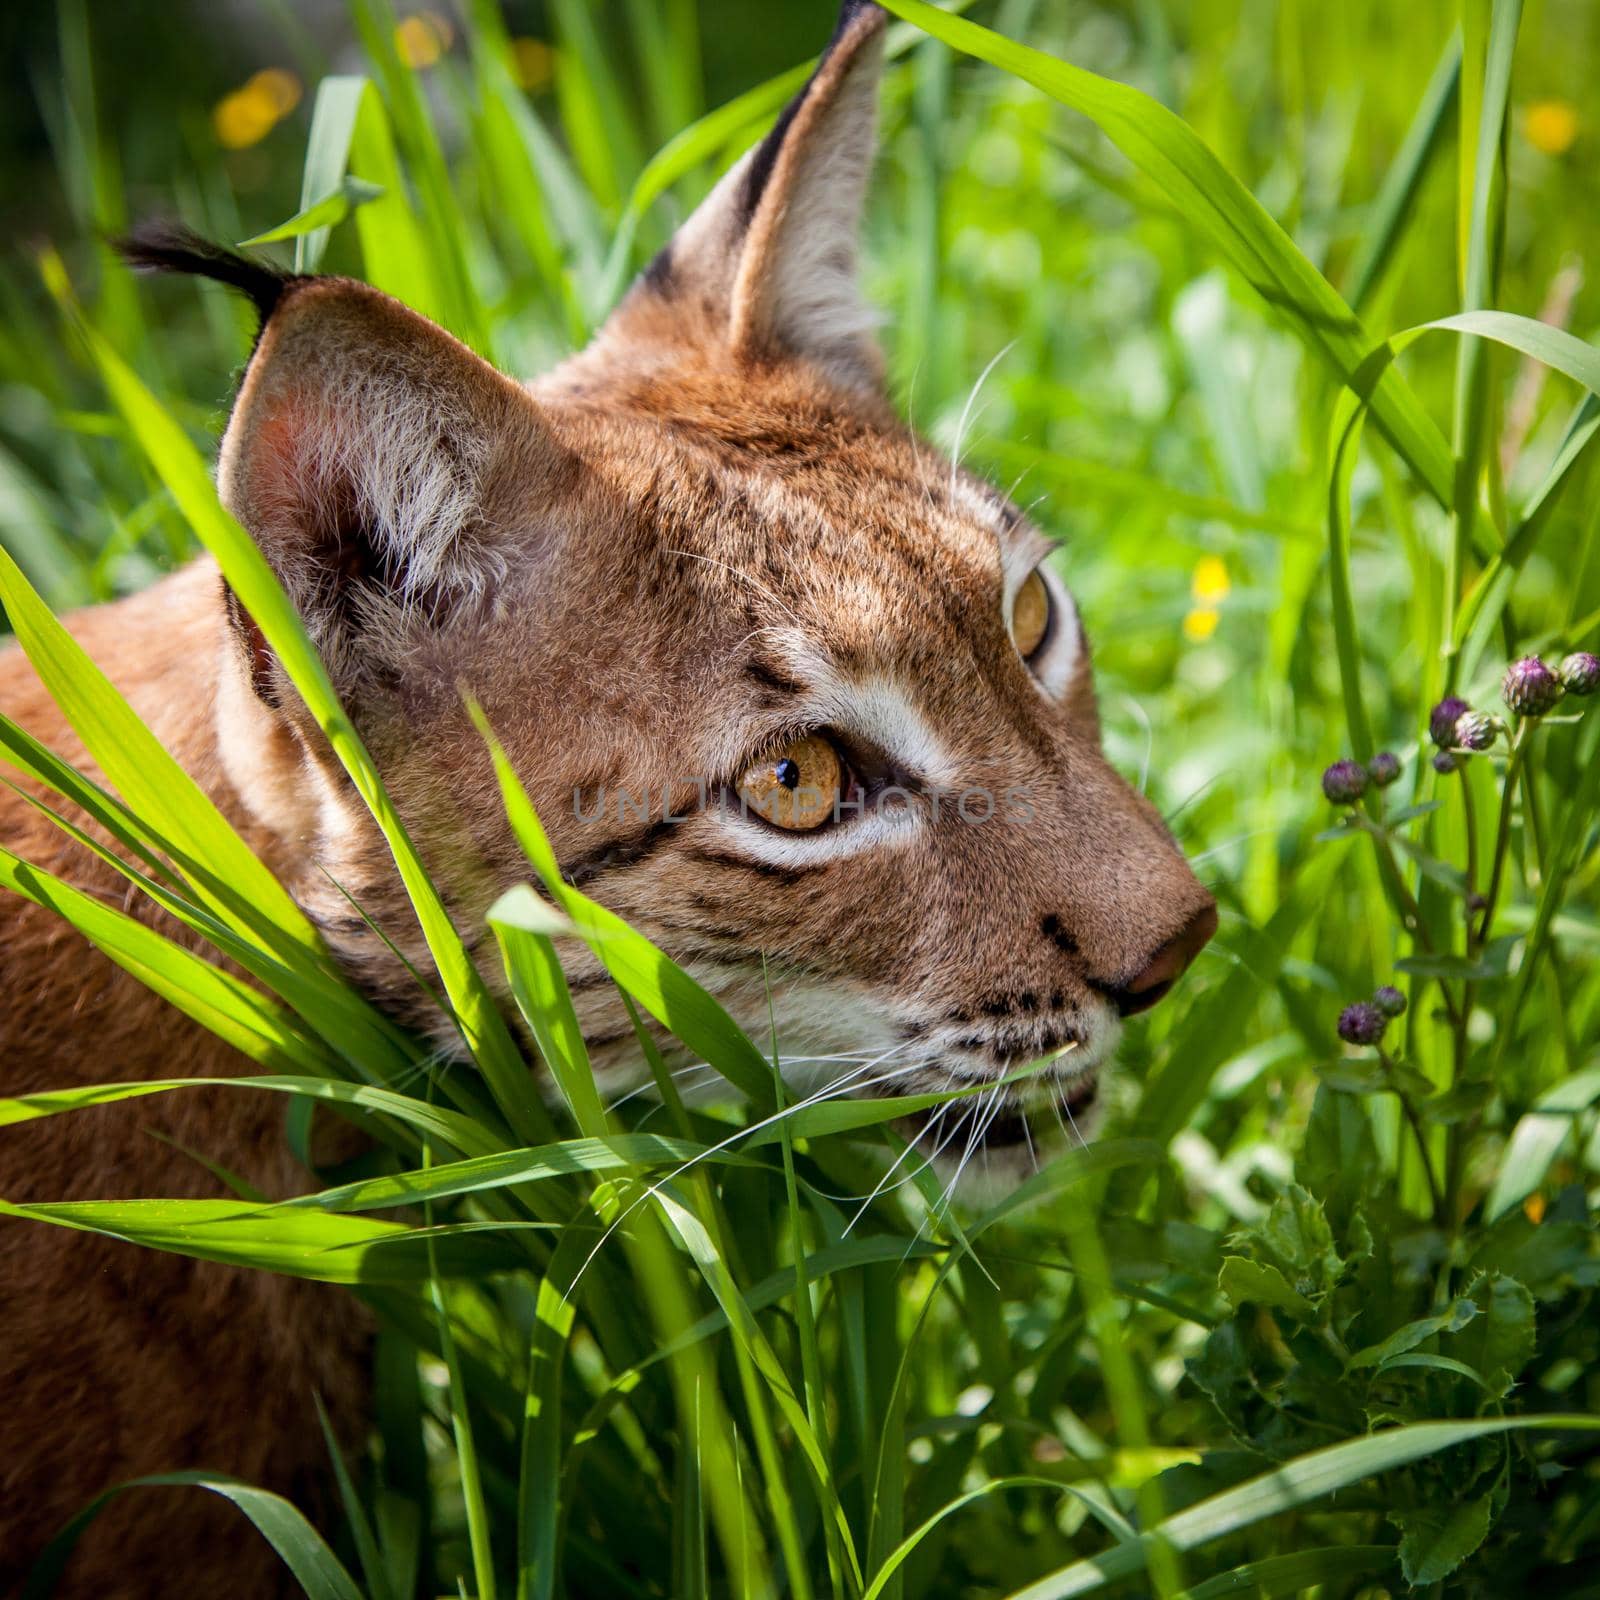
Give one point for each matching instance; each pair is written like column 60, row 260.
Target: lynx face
column 792, row 694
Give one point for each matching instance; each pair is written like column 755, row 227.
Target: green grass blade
column 473, row 1010
column 154, row 785
column 1284, row 1575
column 623, row 1152
column 460, row 1132
column 332, row 1011
column 315, row 1567
column 520, row 922
column 243, row 1018
column 355, row 1514
column 646, row 972
column 1487, row 221
column 1214, row 202
column 1303, row 1481
column 1396, row 199
column 325, row 1247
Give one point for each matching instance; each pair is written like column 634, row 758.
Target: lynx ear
column 772, row 252
column 388, row 474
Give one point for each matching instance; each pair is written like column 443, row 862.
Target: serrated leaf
column 1246, row 1282
column 1500, row 1342
column 1436, row 1540
column 1295, row 1233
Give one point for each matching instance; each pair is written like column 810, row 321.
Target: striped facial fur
column 701, row 569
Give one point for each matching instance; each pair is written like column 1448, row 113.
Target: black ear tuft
column 170, row 247
column 766, row 156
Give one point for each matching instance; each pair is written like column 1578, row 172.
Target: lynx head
column 792, row 693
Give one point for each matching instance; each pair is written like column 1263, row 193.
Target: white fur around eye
column 759, row 841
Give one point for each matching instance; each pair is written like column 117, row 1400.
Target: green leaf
column 323, row 214
column 1295, row 1232
column 1435, row 1540
column 1456, row 1316
column 1244, row 1282
column 1499, row 1343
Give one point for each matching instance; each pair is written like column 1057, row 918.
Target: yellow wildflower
column 1551, row 126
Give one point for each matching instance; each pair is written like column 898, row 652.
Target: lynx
column 702, row 560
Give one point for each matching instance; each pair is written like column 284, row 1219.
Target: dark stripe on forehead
column 772, row 677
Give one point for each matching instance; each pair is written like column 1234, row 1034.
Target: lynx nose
column 1167, row 964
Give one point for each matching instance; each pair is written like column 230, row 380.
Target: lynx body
column 703, row 550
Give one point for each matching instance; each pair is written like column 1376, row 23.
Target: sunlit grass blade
column 326, row 1247
column 315, row 1567
column 657, row 982
column 333, row 1012
column 1216, row 204
column 1302, row 1481
column 438, row 1122
column 248, row 1021
column 473, row 1010
column 151, row 781
column 623, row 1152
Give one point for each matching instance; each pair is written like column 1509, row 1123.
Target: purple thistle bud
column 1477, row 730
column 1530, row 687
column 1362, row 1023
column 1390, row 1001
column 1344, row 782
column 1443, row 761
column 1443, row 718
column 1384, row 768
column 1580, row 672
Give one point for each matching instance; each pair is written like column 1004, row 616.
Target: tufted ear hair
column 388, row 474
column 770, row 256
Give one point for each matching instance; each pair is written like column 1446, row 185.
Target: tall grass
column 1301, row 1320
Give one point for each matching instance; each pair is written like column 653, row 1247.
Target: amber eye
column 1030, row 615
column 796, row 787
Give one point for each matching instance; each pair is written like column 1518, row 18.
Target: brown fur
column 706, row 534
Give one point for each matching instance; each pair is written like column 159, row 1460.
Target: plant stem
column 1502, row 839
column 1418, row 1133
column 1410, row 911
column 1470, row 815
